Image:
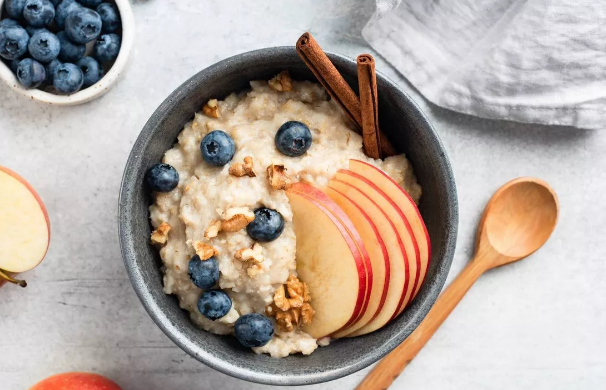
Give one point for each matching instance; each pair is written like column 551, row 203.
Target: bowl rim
column 94, row 91
column 171, row 330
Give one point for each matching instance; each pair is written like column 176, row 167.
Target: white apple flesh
column 24, row 226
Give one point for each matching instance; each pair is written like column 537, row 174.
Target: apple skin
column 42, row 208
column 76, row 381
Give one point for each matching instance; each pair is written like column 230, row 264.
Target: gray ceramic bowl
column 407, row 127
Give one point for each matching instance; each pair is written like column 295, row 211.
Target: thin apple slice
column 24, row 225
column 402, row 226
column 329, row 261
column 399, row 276
column 379, row 258
column 405, row 203
column 324, row 200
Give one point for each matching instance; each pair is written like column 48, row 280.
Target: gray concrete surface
column 537, row 324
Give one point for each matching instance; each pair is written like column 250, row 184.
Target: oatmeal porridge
column 210, row 212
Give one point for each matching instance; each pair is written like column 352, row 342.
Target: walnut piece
column 205, row 251
column 253, row 254
column 213, row 229
column 278, row 179
column 211, row 109
column 236, row 218
column 254, row 257
column 291, row 306
column 160, row 235
column 282, row 82
column 240, row 169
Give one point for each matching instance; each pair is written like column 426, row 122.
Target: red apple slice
column 24, row 226
column 399, row 276
column 379, row 258
column 329, row 261
column 401, row 223
column 316, row 195
column 405, row 203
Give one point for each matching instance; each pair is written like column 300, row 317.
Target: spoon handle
column 384, row 373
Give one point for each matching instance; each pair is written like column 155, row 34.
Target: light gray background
column 536, row 324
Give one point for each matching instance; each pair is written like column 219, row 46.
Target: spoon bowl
column 518, row 220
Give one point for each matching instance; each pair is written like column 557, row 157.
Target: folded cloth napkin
column 539, row 61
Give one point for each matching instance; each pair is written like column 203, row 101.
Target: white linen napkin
column 539, row 61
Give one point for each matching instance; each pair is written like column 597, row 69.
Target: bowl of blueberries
column 64, row 52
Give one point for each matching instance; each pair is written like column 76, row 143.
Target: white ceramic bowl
column 94, row 91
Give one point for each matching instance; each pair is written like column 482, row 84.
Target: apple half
column 405, row 203
column 331, row 259
column 24, row 227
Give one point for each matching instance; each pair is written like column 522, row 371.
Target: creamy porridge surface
column 205, row 192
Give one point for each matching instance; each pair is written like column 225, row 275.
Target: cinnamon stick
column 367, row 81
column 316, row 60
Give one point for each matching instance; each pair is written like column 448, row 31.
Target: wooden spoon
column 518, row 220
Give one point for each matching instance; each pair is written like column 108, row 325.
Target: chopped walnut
column 236, row 218
column 213, row 229
column 282, row 82
column 254, row 257
column 291, row 306
column 205, row 251
column 278, row 179
column 253, row 254
column 211, row 109
column 160, row 235
column 240, row 169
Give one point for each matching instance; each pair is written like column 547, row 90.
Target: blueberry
column 203, row 273
column 91, row 3
column 70, row 52
column 110, row 17
column 64, row 9
column 267, row 225
column 214, row 304
column 83, row 25
column 33, row 30
column 217, row 148
column 162, row 178
column 107, row 47
column 50, row 71
column 13, row 42
column 14, row 8
column 31, row 73
column 91, row 70
column 293, row 139
column 9, row 23
column 44, row 46
column 253, row 330
column 67, row 78
column 55, row 3
column 39, row 13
